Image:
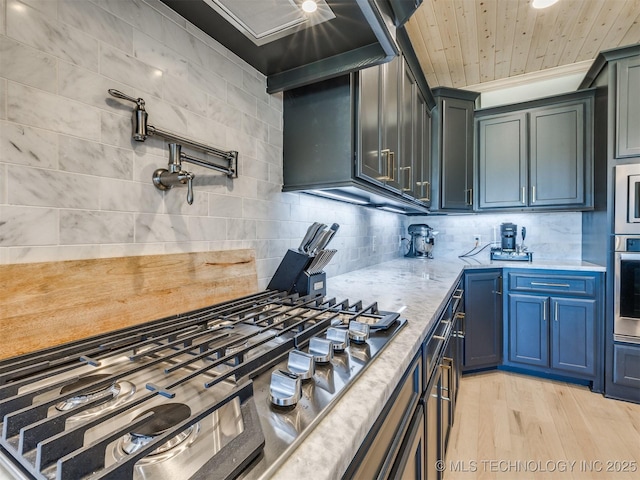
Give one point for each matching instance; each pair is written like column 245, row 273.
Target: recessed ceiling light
column 309, row 6
column 543, row 3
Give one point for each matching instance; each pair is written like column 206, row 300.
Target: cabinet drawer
column 569, row 284
column 626, row 365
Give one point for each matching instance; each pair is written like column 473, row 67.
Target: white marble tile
column 131, row 249
column 92, row 158
column 3, row 16
column 95, row 227
column 186, row 247
column 254, row 127
column 207, row 228
column 225, row 68
column 50, row 188
column 225, row 206
column 207, row 81
column 28, row 146
column 245, row 187
column 128, row 196
column 145, row 165
column 184, row 44
column 89, row 87
column 45, row 110
column 161, row 228
column 138, row 13
column 255, row 86
column 3, row 183
column 150, row 51
column 180, row 92
column 245, row 144
column 97, row 22
column 41, row 31
column 242, row 100
column 275, row 137
column 116, row 130
column 175, row 201
column 48, row 7
column 207, row 131
column 57, row 253
column 267, row 113
column 168, row 117
column 269, row 153
column 270, row 191
column 129, row 70
column 3, row 98
column 276, row 175
column 241, row 229
column 27, row 65
column 21, row 226
column 223, row 113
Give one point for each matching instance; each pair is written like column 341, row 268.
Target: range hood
column 293, row 48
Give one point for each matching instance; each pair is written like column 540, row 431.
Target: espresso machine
column 509, row 248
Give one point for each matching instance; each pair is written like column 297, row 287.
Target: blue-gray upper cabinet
column 379, row 124
column 536, row 155
column 628, row 108
column 453, row 149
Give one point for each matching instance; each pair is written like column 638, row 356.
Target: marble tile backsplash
column 550, row 236
column 73, row 183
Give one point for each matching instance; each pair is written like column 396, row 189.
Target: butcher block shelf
column 51, row 303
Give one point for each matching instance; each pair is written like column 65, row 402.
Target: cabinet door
column 528, row 329
column 557, row 163
column 456, row 137
column 411, row 461
column 573, row 334
column 483, row 319
column 408, row 113
column 390, row 123
column 628, row 108
column 502, row 161
column 422, row 150
column 433, row 428
column 370, row 161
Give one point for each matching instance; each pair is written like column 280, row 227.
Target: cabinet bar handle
column 458, row 294
column 524, row 192
column 533, row 194
column 386, row 176
column 469, row 192
column 407, row 179
column 556, row 311
column 544, row 284
column 438, row 337
column 391, row 165
column 544, row 310
column 425, row 189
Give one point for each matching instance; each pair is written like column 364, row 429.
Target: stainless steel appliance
column 509, row 248
column 422, row 241
column 627, row 200
column 627, row 289
column 222, row 392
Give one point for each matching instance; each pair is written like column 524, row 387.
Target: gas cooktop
column 222, row 392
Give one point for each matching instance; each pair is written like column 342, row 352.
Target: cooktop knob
column 285, row 389
column 358, row 331
column 321, row 349
column 301, row 364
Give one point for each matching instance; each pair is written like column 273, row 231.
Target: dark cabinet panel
column 557, row 155
column 628, row 108
column 422, row 151
column 626, row 366
column 369, row 122
column 528, row 329
column 456, row 156
column 573, row 335
column 537, row 154
column 408, row 116
column 483, row 319
column 502, row 161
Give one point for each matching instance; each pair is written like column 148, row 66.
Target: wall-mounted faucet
column 163, row 178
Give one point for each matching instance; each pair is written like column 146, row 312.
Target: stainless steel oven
column 627, row 203
column 627, row 288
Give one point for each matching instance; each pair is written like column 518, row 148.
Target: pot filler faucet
column 164, row 178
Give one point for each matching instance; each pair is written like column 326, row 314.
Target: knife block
column 291, row 276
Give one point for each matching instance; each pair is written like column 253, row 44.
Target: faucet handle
column 190, row 177
column 118, row 94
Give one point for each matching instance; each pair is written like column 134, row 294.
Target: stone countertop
column 417, row 288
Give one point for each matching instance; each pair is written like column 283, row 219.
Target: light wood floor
column 511, row 427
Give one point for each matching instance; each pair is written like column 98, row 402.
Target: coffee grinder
column 509, row 248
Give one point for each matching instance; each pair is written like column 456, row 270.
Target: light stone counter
column 417, row 288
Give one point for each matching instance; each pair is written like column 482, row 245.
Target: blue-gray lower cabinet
column 554, row 324
column 528, row 329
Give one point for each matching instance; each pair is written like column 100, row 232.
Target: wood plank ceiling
column 460, row 43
